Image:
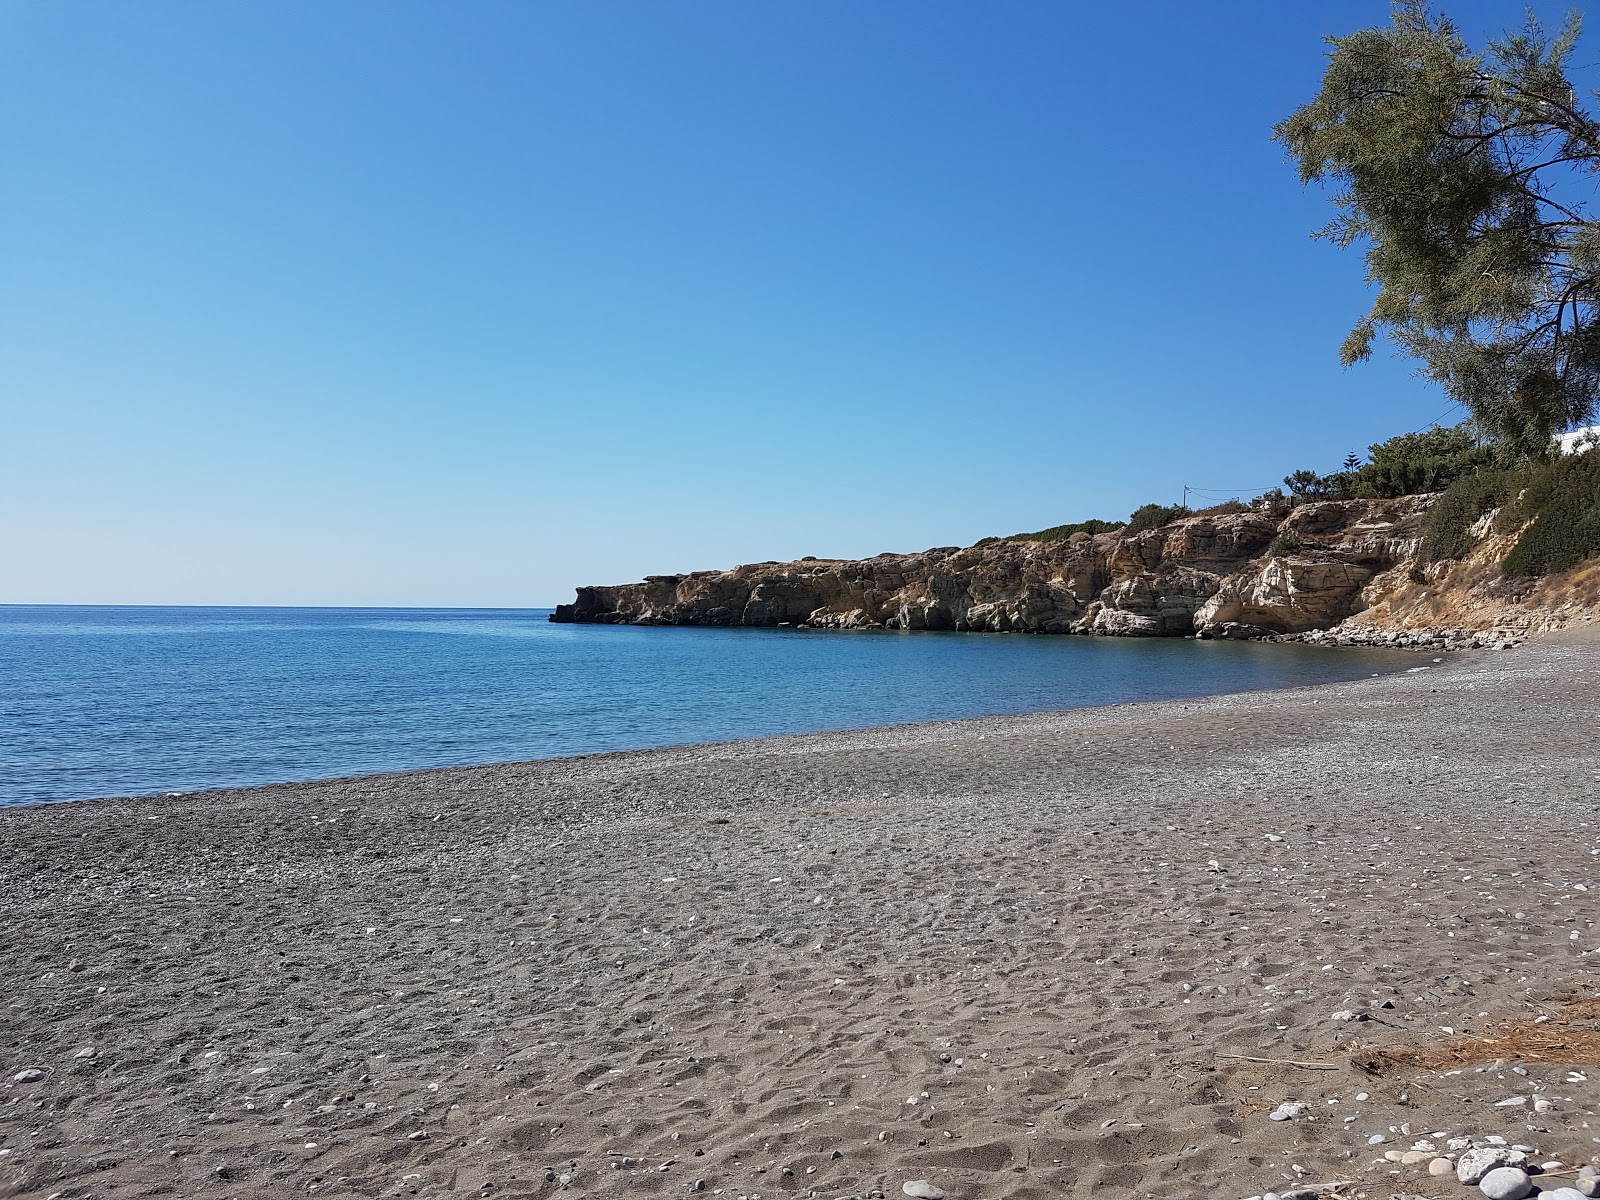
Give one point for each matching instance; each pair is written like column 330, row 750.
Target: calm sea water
column 127, row 701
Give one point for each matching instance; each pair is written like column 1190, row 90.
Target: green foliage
column 1308, row 485
column 1226, row 508
column 1414, row 463
column 1408, row 465
column 1274, row 503
column 1447, row 532
column 1153, row 516
column 1285, row 543
column 1466, row 176
column 1060, row 533
column 1555, row 503
column 1563, row 500
column 1351, row 462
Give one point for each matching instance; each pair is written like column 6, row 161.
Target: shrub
column 1285, row 543
column 1408, row 465
column 1308, row 485
column 1414, row 463
column 1447, row 532
column 1224, row 509
column 1060, row 533
column 1273, row 503
column 1153, row 516
column 1563, row 500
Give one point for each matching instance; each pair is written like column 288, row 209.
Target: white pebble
column 1506, row 1183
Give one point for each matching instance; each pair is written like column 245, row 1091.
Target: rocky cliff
column 1230, row 575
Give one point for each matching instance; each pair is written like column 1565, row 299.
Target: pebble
column 922, row 1189
column 1506, row 1183
column 1287, row 1111
column 1412, row 1157
column 28, row 1076
column 86, row 1052
column 1562, row 1193
column 1473, row 1165
column 1441, row 1166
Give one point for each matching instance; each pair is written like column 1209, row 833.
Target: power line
column 1436, row 420
column 1214, row 493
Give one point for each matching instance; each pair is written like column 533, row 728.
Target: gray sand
column 741, row 964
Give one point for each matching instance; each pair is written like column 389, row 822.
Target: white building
column 1579, row 440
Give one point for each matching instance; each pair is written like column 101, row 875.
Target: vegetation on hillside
column 1553, row 501
column 1060, row 533
column 1409, row 465
column 1562, row 500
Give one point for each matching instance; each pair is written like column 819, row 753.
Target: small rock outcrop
column 1241, row 574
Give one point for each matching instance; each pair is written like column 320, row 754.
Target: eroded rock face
column 1241, row 574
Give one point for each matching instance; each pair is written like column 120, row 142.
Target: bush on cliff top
column 1059, row 533
column 1408, row 465
column 1154, row 516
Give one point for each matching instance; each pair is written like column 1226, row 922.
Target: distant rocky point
column 1350, row 564
column 1243, row 574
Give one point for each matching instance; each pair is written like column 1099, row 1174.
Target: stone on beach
column 1506, row 1183
column 922, row 1190
column 1473, row 1165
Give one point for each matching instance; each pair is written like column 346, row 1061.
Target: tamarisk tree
column 1465, row 176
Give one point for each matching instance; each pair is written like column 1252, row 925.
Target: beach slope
column 1071, row 954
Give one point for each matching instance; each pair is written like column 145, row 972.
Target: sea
column 109, row 701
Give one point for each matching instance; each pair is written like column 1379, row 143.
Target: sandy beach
column 1014, row 957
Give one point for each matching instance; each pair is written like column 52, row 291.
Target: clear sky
column 376, row 302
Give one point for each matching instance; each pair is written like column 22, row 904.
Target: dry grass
column 1570, row 1036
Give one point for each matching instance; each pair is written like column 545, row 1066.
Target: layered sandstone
column 1223, row 575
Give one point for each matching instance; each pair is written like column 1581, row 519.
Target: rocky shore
column 1296, row 943
column 1352, row 566
column 1243, row 574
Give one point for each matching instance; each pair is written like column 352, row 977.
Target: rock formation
column 1242, row 574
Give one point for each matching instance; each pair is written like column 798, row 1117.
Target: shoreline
column 1010, row 955
column 1417, row 648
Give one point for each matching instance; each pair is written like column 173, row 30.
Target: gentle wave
column 120, row 701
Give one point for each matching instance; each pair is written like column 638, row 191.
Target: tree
column 1429, row 461
column 1308, row 485
column 1465, row 176
column 1351, row 461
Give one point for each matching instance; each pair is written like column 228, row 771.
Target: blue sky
column 430, row 304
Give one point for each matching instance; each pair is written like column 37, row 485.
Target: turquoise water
column 128, row 701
